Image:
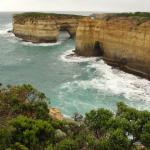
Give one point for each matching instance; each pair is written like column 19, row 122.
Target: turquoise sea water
column 73, row 84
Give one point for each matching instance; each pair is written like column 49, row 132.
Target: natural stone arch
column 63, row 35
column 98, row 49
column 43, row 27
column 66, row 27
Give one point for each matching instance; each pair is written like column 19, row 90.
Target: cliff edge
column 43, row 27
column 120, row 40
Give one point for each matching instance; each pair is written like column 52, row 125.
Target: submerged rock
column 77, row 117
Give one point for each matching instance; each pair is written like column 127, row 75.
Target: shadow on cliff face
column 98, row 49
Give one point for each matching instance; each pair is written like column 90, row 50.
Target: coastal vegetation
column 134, row 14
column 139, row 17
column 25, row 124
column 42, row 14
column 36, row 15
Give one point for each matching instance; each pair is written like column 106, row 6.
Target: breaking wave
column 5, row 28
column 40, row 44
column 109, row 80
column 11, row 37
column 69, row 56
column 20, row 41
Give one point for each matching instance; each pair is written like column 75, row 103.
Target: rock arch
column 68, row 27
column 41, row 27
column 65, row 27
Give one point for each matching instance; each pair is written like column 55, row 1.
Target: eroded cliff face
column 44, row 28
column 118, row 39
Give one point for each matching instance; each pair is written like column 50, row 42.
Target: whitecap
column 109, row 80
column 40, row 44
column 75, row 76
column 11, row 37
column 5, row 28
column 69, row 56
column 119, row 83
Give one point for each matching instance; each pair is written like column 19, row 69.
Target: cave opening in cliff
column 98, row 49
column 64, row 33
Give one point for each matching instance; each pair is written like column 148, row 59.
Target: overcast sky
column 75, row 5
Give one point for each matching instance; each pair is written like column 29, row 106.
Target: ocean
column 72, row 84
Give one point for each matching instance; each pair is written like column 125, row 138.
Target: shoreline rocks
column 56, row 114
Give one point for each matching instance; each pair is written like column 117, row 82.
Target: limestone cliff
column 121, row 40
column 41, row 27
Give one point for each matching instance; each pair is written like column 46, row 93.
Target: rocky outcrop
column 40, row 27
column 55, row 114
column 119, row 40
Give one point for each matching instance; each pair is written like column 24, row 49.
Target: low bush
column 25, row 124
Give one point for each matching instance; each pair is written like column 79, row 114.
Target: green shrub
column 67, row 144
column 32, row 133
column 22, row 100
column 118, row 140
column 145, row 136
column 97, row 120
column 121, row 123
column 25, row 124
column 19, row 146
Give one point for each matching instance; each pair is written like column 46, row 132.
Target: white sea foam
column 5, row 28
column 69, row 56
column 109, row 80
column 119, row 82
column 40, row 44
column 20, row 41
column 60, row 40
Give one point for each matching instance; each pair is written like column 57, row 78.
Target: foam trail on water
column 40, row 44
column 62, row 37
column 5, row 28
column 11, row 37
column 20, row 41
column 119, row 82
column 109, row 80
column 69, row 56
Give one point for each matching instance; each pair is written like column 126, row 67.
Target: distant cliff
column 43, row 27
column 120, row 39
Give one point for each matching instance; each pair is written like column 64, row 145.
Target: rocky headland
column 44, row 27
column 121, row 40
